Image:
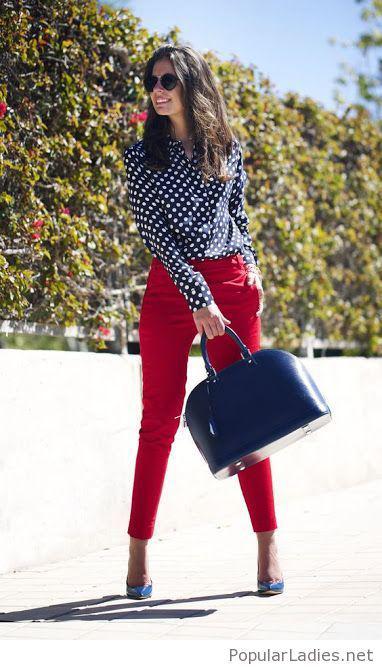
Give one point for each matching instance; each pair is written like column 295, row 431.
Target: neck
column 179, row 129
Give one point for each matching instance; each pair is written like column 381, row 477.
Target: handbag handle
column 245, row 352
column 212, row 374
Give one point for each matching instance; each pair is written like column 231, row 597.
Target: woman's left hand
column 254, row 277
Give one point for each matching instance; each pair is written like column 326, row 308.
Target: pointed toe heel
column 139, row 592
column 270, row 587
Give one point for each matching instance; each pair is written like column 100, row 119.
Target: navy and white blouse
column 179, row 216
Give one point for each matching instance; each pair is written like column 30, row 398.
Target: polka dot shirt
column 179, row 216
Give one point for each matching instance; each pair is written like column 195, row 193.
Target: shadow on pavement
column 95, row 610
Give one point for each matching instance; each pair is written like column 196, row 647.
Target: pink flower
column 38, row 223
column 104, row 331
column 3, row 109
column 65, row 210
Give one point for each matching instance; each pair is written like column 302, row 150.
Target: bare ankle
column 266, row 537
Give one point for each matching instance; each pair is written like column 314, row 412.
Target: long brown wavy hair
column 205, row 109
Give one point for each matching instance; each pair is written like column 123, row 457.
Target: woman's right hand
column 210, row 320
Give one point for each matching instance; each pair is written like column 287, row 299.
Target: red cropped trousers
column 166, row 331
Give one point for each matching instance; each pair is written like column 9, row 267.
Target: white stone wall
column 69, row 435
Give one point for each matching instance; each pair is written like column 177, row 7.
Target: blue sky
column 287, row 40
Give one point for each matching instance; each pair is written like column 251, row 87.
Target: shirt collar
column 176, row 146
column 172, row 142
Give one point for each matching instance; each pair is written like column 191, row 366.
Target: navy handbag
column 252, row 408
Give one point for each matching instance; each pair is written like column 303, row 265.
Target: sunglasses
column 168, row 81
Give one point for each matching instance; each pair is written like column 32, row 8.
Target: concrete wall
column 69, row 435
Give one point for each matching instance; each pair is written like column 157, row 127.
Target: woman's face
column 174, row 103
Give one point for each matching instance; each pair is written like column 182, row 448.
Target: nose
column 159, row 86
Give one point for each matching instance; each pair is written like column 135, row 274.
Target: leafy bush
column 72, row 98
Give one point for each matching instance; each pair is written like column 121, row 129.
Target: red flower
column 38, row 223
column 139, row 116
column 36, row 236
column 3, row 109
column 104, row 331
column 70, row 273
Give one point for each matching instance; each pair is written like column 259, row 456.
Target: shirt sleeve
column 157, row 237
column 236, row 209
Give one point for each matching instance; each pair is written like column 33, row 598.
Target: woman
column 185, row 182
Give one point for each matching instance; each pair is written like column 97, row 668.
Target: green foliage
column 74, row 99
column 314, row 198
column 65, row 102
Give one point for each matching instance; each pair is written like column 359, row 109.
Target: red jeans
column 166, row 331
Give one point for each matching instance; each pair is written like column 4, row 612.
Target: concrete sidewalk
column 204, row 581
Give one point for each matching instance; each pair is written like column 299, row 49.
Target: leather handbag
column 252, row 408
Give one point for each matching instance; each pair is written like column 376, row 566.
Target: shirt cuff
column 194, row 288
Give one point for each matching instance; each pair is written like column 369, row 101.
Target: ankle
column 266, row 539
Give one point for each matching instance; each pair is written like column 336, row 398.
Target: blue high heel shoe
column 269, row 587
column 139, row 592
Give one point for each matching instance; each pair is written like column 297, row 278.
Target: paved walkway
column 204, row 581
